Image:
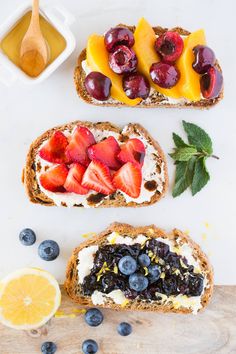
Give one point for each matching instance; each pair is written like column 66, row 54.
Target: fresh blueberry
column 138, row 282
column 153, row 273
column 48, row 348
column 124, row 329
column 93, row 317
column 144, row 260
column 27, row 237
column 127, row 265
column 48, row 250
column 89, row 346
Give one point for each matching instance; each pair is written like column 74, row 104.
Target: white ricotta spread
column 99, row 298
column 115, row 238
column 149, row 173
column 86, row 260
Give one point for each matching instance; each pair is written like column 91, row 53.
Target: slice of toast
column 34, row 166
column 155, row 98
column 80, row 274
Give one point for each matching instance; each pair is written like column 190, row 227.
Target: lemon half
column 29, row 297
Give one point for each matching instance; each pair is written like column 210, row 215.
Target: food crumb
column 204, row 237
column 89, row 234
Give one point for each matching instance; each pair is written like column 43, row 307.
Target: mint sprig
column 190, row 159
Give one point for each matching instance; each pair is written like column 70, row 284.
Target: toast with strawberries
column 84, row 164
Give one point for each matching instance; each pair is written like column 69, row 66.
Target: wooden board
column 209, row 332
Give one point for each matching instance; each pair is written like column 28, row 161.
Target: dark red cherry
column 123, row 60
column 118, row 36
column 211, row 83
column 169, row 46
column 164, row 75
column 136, row 85
column 98, row 85
column 204, row 58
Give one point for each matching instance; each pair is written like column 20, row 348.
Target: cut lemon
column 29, row 297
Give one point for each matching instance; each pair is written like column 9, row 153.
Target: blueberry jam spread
column 143, row 271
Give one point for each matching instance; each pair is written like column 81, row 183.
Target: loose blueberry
column 89, row 346
column 123, row 60
column 204, row 58
column 27, row 237
column 127, row 265
column 48, row 250
column 144, row 260
column 138, row 282
column 136, row 85
column 93, row 317
column 164, row 75
column 48, row 348
column 124, row 329
column 153, row 273
column 170, row 46
column 98, row 85
column 118, row 36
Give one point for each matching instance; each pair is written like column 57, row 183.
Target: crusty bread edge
column 152, row 232
column 32, row 188
column 79, row 77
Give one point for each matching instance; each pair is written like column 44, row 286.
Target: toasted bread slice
column 113, row 236
column 155, row 99
column 34, row 166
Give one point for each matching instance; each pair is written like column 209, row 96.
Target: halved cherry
column 74, row 179
column 54, row 178
column 54, row 149
column 170, row 46
column 129, row 179
column 98, row 178
column 106, row 151
column 211, row 83
column 132, row 151
column 81, row 139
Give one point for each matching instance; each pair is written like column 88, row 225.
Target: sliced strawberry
column 128, row 179
column 74, row 178
column 132, row 151
column 54, row 178
column 98, row 178
column 106, row 152
column 54, row 149
column 81, row 139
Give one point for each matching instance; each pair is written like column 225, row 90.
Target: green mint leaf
column 183, row 176
column 200, row 175
column 183, row 154
column 178, row 141
column 198, row 137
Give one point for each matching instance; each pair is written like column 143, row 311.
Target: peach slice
column 189, row 83
column 145, row 38
column 97, row 60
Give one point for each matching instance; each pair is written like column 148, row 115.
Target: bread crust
column 157, row 101
column 71, row 283
column 37, row 196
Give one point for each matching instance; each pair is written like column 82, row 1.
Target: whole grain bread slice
column 35, row 193
column 74, row 289
column 155, row 99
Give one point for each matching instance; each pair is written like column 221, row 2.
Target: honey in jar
column 11, row 43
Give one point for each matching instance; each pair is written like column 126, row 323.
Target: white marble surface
column 28, row 111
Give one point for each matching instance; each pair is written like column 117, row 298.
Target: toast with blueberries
column 84, row 164
column 146, row 67
column 140, row 268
